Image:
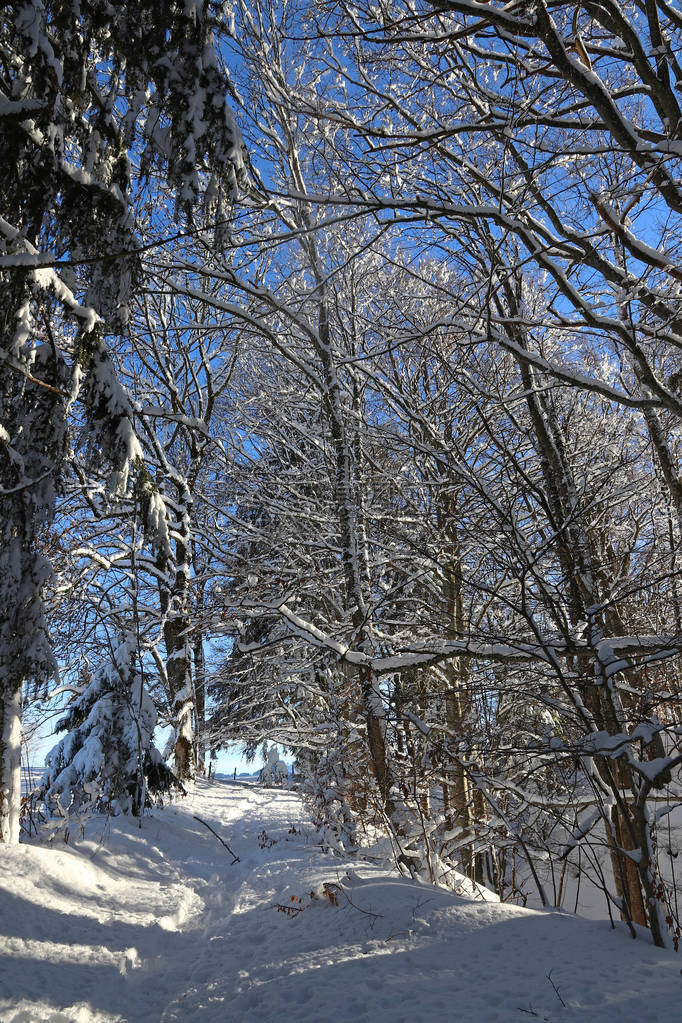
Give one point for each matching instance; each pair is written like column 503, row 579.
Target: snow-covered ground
column 159, row 924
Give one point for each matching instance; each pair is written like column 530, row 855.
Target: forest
column 340, row 411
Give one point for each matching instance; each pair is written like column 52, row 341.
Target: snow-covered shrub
column 101, row 761
column 275, row 773
column 325, row 789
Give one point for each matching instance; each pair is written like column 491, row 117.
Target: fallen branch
column 235, row 858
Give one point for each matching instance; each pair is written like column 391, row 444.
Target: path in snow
column 157, row 925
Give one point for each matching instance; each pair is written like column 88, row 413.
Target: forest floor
column 159, row 924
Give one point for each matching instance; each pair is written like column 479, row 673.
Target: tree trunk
column 354, row 553
column 180, row 692
column 174, row 607
column 601, row 707
column 10, row 768
column 200, row 703
column 457, row 706
column 625, row 870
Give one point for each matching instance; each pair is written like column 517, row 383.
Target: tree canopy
column 370, row 438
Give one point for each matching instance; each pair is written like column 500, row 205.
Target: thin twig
column 366, row 912
column 290, row 910
column 234, row 855
column 556, row 989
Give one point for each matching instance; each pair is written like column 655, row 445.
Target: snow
column 157, row 924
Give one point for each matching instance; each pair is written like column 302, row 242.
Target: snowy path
column 160, row 926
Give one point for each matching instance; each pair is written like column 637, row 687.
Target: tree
column 512, row 144
column 107, row 751
column 540, row 147
column 181, row 365
column 93, row 103
column 310, row 333
column 425, row 476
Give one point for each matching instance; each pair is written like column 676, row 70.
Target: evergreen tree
column 101, row 761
